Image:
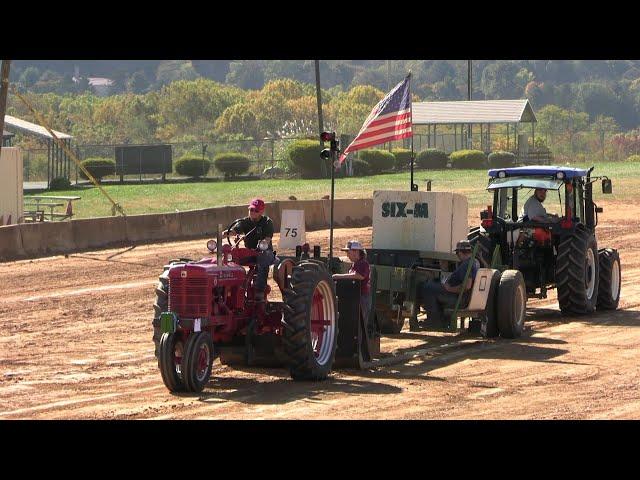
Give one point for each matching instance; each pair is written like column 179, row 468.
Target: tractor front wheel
column 610, row 279
column 199, row 356
column 171, row 361
column 310, row 324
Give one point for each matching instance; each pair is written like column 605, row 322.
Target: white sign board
column 292, row 231
column 423, row 221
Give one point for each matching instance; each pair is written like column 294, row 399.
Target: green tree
column 138, row 82
column 499, row 80
column 29, row 76
column 603, row 126
column 574, row 123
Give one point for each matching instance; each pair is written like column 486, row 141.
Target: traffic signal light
column 328, row 136
column 331, row 137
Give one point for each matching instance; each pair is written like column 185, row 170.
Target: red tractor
column 206, row 309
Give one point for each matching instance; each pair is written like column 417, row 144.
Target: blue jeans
column 365, row 300
column 435, row 298
column 263, row 261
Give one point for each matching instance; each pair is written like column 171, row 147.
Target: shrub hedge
column 379, row 160
column 231, row 163
column 633, row 158
column 500, row 159
column 304, row 157
column 98, row 167
column 403, row 158
column 360, row 168
column 470, row 159
column 191, row 165
column 60, row 183
column 432, row 158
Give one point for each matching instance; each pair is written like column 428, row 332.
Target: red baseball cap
column 258, row 204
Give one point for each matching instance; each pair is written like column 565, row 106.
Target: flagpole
column 413, row 187
column 333, row 182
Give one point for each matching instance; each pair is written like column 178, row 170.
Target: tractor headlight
column 263, row 245
column 502, row 174
column 212, row 245
column 560, row 175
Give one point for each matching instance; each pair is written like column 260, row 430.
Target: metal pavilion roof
column 32, row 128
column 475, row 111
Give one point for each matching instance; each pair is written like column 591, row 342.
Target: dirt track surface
column 76, row 344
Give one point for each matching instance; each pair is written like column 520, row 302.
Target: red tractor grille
column 189, row 297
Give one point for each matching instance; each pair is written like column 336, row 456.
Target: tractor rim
column 615, row 280
column 178, row 352
column 323, row 322
column 202, row 365
column 520, row 305
column 590, row 277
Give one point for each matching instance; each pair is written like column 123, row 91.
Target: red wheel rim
column 318, row 322
column 203, row 361
column 177, row 355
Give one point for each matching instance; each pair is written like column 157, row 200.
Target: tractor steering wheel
column 239, row 238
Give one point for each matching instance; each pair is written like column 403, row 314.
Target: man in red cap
column 256, row 227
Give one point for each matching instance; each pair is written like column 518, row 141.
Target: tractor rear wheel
column 310, row 325
column 170, row 361
column 577, row 273
column 160, row 305
column 485, row 246
column 199, row 356
column 512, row 304
column 610, row 279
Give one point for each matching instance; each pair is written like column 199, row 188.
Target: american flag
column 389, row 120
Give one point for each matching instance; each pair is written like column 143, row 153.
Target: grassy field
column 136, row 199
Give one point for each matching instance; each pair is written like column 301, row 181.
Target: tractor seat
column 479, row 294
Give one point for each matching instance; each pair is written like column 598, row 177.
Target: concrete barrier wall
column 10, row 243
column 31, row 240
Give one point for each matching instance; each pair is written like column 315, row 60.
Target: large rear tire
column 577, row 272
column 160, row 305
column 512, row 304
column 199, row 356
column 171, row 361
column 610, row 279
column 310, row 325
column 485, row 246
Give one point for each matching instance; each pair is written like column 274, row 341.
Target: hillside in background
column 596, row 87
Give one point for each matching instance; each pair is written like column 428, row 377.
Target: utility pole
column 469, row 95
column 319, row 99
column 4, row 89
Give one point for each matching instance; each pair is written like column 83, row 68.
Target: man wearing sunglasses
column 256, row 227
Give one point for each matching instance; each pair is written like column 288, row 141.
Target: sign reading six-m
column 399, row 209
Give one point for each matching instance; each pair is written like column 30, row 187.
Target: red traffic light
column 328, row 136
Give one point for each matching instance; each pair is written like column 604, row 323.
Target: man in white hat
column 360, row 270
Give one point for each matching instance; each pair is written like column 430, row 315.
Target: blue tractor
column 550, row 250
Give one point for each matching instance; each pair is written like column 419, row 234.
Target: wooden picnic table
column 51, row 205
column 51, row 201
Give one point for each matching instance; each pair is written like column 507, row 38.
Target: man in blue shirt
column 437, row 295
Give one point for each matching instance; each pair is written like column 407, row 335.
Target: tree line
column 204, row 110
